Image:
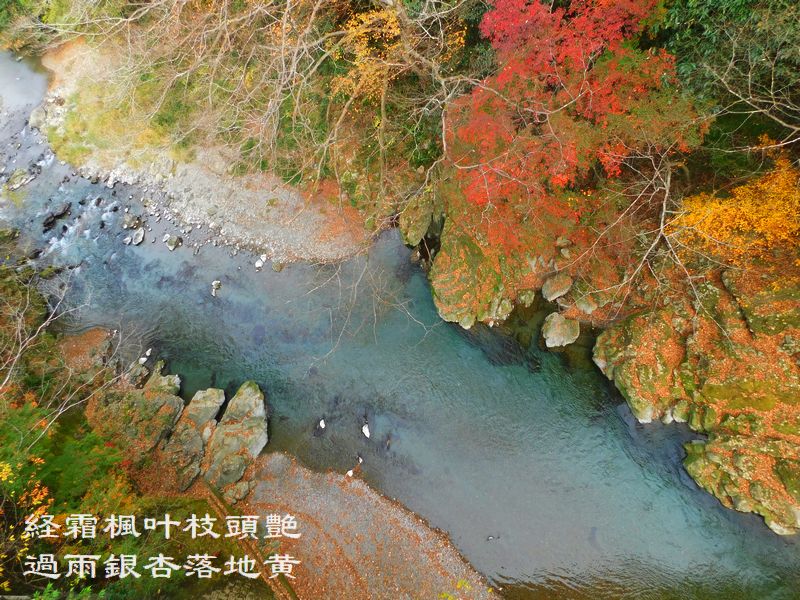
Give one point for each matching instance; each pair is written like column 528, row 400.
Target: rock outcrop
column 220, row 451
column 722, row 364
column 186, row 447
column 195, row 439
column 144, row 416
column 239, row 437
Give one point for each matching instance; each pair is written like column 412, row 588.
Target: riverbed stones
column 559, row 331
column 173, row 242
column 38, row 118
column 138, row 236
column 556, row 286
column 131, row 221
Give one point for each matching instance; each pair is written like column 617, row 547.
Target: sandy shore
column 355, row 543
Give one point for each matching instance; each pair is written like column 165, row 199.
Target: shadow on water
column 499, row 346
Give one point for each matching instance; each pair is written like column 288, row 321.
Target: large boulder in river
column 248, row 403
column 559, row 331
column 239, row 437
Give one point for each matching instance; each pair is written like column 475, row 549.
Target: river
column 537, row 471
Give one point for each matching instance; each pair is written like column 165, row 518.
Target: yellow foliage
column 33, row 500
column 371, row 39
column 455, row 43
column 5, row 471
column 760, row 216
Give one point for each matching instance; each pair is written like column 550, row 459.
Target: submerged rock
column 558, row 331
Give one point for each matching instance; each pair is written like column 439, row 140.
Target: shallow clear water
column 538, row 473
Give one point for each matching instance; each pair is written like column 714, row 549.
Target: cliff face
column 684, row 338
column 727, row 362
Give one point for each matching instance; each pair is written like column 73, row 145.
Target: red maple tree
column 573, row 90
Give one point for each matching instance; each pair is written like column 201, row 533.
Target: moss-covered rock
column 416, row 218
column 724, row 371
column 144, row 417
column 467, row 286
column 751, row 475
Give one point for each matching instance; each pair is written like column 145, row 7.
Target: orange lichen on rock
column 726, row 359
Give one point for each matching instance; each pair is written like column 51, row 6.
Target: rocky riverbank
column 684, row 338
column 726, row 364
column 83, row 121
column 354, row 542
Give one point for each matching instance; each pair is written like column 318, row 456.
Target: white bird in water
column 350, row 473
column 142, row 360
column 365, row 430
column 360, row 460
column 149, row 352
column 322, row 423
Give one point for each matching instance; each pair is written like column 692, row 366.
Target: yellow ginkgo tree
column 755, row 218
